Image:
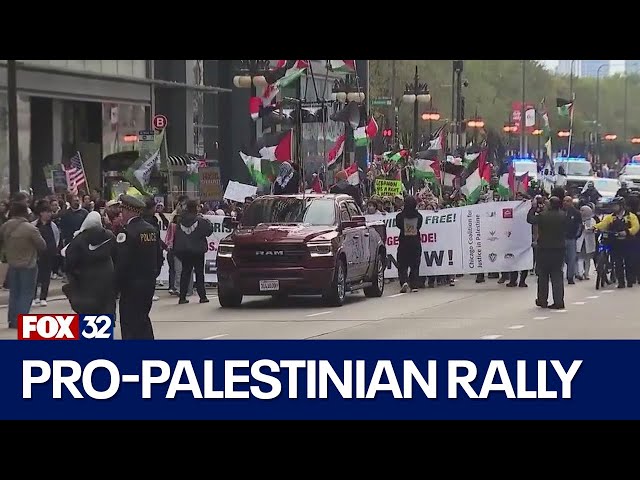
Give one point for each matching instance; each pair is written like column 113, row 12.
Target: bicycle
column 604, row 265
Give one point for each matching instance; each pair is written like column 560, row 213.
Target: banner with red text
column 482, row 238
column 530, row 113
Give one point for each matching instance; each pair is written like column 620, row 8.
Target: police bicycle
column 604, row 263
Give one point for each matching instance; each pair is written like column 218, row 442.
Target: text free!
column 313, row 379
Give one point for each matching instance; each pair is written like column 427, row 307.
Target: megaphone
column 349, row 114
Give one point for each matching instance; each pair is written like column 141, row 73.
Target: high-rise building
column 632, row 66
column 564, row 67
column 589, row 68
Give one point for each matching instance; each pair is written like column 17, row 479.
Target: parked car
column 302, row 245
column 607, row 187
column 630, row 173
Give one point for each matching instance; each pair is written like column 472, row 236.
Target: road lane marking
column 516, row 327
column 490, row 337
column 216, row 336
column 397, row 295
column 540, row 318
column 593, row 297
column 560, row 311
column 607, row 291
column 579, row 303
column 320, row 313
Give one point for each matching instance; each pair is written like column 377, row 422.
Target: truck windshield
column 313, row 211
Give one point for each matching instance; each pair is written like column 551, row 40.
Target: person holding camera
column 552, row 224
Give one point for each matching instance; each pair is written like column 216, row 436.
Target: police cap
column 132, row 204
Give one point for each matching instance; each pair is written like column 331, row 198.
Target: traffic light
column 387, row 133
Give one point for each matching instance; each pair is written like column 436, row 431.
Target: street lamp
column 509, row 128
column 416, row 94
column 431, row 117
column 252, row 73
column 564, row 133
column 344, row 91
column 538, row 133
column 610, row 137
column 598, row 110
column 475, row 123
column 635, row 140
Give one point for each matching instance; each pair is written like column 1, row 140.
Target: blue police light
column 571, row 159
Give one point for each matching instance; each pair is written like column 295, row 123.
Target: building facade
column 97, row 107
column 564, row 67
column 632, row 67
column 589, row 68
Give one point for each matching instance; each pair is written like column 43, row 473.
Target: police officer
column 138, row 263
column 626, row 226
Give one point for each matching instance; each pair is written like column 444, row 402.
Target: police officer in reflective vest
column 138, row 262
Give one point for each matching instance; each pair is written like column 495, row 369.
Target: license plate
column 269, row 285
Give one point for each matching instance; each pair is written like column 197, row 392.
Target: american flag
column 75, row 174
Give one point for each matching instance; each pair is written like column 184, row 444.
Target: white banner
column 210, row 269
column 482, row 238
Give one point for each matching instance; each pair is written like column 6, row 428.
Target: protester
column 190, row 246
column 20, row 242
column 409, row 222
column 586, row 243
column 89, row 260
column 552, row 226
column 288, row 180
column 47, row 258
column 72, row 219
column 573, row 231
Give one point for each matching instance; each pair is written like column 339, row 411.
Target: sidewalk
column 55, row 290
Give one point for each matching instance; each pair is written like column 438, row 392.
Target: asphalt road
column 465, row 311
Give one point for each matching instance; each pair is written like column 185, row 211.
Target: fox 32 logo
column 65, row 327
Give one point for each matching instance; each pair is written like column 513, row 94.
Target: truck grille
column 272, row 256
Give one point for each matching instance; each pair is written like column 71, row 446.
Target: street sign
column 159, row 122
column 146, row 136
column 381, row 102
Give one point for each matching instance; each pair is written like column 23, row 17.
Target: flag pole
column 573, row 108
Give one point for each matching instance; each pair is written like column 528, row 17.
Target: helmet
column 618, row 201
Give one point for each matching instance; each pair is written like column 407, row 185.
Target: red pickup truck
column 317, row 244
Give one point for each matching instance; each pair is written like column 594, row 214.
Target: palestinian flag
column 276, row 146
column 257, row 109
column 352, row 174
column 451, row 171
column 564, row 107
column 522, row 183
column 506, row 179
column 347, row 66
column 428, row 170
column 362, row 135
column 437, row 140
column 396, row 156
column 335, row 155
column 262, row 171
column 476, row 176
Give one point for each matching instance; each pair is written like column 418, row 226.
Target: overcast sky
column 616, row 65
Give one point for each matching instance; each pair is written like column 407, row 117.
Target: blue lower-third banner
column 320, row 380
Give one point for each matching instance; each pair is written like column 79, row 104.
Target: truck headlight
column 225, row 250
column 320, row 249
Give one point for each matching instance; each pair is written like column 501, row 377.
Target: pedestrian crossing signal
column 387, row 133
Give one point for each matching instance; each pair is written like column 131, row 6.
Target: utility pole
column 393, row 106
column 12, row 103
column 523, row 113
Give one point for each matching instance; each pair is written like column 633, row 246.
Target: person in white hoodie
column 585, row 243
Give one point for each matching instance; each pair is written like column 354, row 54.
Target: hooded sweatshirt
column 409, row 221
column 90, row 266
column 191, row 235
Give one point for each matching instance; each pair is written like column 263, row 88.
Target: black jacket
column 70, row 223
column 90, row 270
column 139, row 255
column 191, row 235
column 575, row 223
column 552, row 227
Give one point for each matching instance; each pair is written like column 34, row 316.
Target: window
column 125, row 67
column 110, row 67
column 120, row 125
column 140, row 68
column 354, row 211
column 24, row 143
column 312, row 211
column 94, row 66
column 344, row 213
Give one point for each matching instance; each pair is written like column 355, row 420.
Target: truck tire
column 337, row 292
column 229, row 299
column 377, row 289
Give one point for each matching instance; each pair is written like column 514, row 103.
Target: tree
column 495, row 84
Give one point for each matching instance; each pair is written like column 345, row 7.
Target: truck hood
column 275, row 233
